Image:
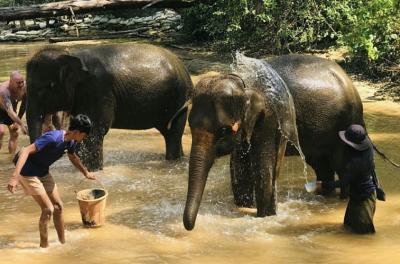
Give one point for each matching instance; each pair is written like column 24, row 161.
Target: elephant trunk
column 202, row 157
column 34, row 119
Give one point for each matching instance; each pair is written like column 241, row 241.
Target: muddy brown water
column 147, row 196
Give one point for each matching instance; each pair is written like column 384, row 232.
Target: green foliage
column 369, row 28
column 280, row 25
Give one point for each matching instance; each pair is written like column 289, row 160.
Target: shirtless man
column 11, row 92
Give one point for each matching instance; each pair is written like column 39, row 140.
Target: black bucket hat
column 356, row 137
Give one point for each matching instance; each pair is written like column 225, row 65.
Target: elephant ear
column 72, row 72
column 255, row 108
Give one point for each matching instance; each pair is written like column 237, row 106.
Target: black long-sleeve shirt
column 357, row 174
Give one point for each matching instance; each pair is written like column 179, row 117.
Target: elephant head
column 222, row 112
column 52, row 79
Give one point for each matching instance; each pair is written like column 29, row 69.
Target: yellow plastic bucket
column 92, row 204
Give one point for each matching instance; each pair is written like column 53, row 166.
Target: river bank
column 162, row 24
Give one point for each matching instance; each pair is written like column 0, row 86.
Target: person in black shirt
column 358, row 176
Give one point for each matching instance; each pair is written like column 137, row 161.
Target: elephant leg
column 241, row 177
column 173, row 138
column 90, row 151
column 266, row 195
column 266, row 159
column 324, row 172
column 56, row 119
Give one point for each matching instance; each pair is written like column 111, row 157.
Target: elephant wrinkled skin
column 129, row 86
column 227, row 117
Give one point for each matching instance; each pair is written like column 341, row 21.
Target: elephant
column 126, row 86
column 227, row 117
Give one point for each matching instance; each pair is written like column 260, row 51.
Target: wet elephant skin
column 129, row 86
column 325, row 102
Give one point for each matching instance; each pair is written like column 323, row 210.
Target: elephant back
column 145, row 80
column 325, row 98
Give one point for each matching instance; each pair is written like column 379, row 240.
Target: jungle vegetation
column 369, row 30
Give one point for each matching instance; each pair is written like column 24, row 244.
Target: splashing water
column 259, row 75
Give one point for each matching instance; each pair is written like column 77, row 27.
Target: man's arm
column 23, row 156
column 78, row 164
column 11, row 113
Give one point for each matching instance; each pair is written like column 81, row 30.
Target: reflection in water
column 146, row 202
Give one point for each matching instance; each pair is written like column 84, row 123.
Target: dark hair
column 80, row 122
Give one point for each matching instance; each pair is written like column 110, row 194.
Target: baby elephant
column 228, row 117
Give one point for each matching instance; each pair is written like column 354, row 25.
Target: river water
column 147, row 195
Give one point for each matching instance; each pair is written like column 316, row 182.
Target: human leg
column 47, row 210
column 58, row 217
column 5, row 120
column 38, row 188
column 12, row 143
column 2, row 129
column 359, row 215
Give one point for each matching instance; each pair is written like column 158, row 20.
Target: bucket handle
column 102, row 185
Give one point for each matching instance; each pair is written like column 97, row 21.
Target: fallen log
column 84, row 6
column 102, row 36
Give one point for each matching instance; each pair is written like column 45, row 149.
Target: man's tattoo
column 6, row 102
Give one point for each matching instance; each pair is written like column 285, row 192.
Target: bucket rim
column 94, row 200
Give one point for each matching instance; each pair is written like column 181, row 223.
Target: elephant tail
column 385, row 157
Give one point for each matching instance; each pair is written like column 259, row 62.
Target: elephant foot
column 244, row 201
column 173, row 156
column 266, row 212
column 267, row 209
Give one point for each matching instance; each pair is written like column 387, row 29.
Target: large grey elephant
column 130, row 86
column 228, row 117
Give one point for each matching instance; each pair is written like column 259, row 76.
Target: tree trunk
column 83, row 6
column 107, row 35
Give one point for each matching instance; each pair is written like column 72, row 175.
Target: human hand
column 90, row 175
column 14, row 126
column 12, row 184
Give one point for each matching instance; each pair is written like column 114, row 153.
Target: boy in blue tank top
column 32, row 172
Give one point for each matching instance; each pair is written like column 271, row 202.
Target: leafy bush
column 280, row 25
column 369, row 28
